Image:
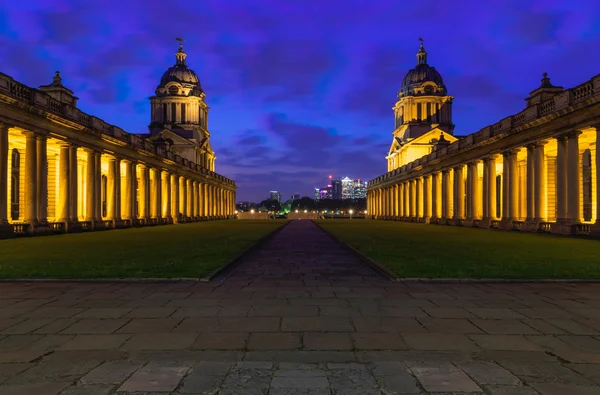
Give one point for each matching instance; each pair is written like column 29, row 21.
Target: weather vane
column 421, row 39
column 181, row 40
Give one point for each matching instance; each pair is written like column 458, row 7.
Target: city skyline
column 274, row 84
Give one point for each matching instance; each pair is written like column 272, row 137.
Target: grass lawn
column 437, row 251
column 187, row 250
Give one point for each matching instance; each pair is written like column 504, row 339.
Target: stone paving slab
column 300, row 315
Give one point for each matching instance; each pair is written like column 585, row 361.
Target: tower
column 423, row 113
column 179, row 114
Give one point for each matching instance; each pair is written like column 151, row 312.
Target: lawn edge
column 234, row 262
column 376, row 266
column 392, row 276
column 231, row 264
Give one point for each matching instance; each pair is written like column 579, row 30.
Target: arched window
column 103, row 194
column 14, row 184
column 586, row 170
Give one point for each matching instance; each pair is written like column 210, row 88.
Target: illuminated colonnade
column 61, row 175
column 535, row 171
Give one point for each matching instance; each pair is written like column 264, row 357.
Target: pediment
column 433, row 134
column 167, row 134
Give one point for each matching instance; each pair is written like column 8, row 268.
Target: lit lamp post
column 350, row 212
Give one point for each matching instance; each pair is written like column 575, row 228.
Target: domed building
column 423, row 114
column 179, row 114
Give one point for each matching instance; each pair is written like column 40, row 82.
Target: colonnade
column 48, row 181
column 547, row 185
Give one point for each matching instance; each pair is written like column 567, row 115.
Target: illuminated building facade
column 62, row 170
column 533, row 171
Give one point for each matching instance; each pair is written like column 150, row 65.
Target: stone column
column 531, row 177
column 446, row 194
column 157, row 194
column 195, row 199
column 134, row 190
column 418, row 198
column 427, row 197
column 492, row 190
column 595, row 229
column 64, row 184
column 395, row 200
column 181, row 209
column 31, row 202
column 513, row 187
column 540, row 190
column 3, row 174
column 128, row 193
column 476, row 191
column 74, row 184
column 201, row 198
column 42, row 179
column 143, row 196
column 407, row 208
column 113, row 195
column 561, row 179
column 460, row 199
column 486, row 193
column 90, row 192
column 98, row 189
column 166, row 196
column 206, row 195
column 189, row 198
column 506, row 182
column 435, row 214
column 573, row 174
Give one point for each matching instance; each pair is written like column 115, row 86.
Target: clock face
column 173, row 90
column 429, row 89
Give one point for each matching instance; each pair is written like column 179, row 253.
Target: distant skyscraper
column 275, row 195
column 360, row 189
column 295, row 196
column 336, row 189
column 317, row 193
column 347, row 188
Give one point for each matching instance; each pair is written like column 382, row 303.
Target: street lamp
column 350, row 212
column 252, row 211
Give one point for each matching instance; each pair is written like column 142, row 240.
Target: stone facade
column 62, row 170
column 533, row 171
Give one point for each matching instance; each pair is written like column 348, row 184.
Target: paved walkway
column 300, row 315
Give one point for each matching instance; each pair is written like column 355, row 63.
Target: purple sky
column 300, row 91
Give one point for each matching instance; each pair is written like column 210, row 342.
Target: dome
column 419, row 75
column 181, row 73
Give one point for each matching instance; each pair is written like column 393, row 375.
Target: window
column 164, row 113
column 14, row 185
column 182, row 112
column 173, row 113
column 419, row 112
column 173, row 90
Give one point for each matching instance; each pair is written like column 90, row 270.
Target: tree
column 304, row 203
column 271, row 205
